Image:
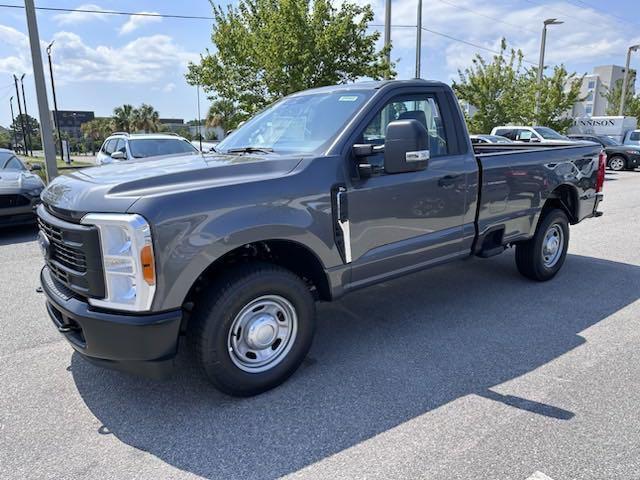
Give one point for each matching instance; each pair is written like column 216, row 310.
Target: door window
column 422, row 108
column 109, row 147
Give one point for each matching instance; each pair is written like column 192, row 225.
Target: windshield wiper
column 250, row 150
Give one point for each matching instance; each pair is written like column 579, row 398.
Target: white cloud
column 19, row 61
column 76, row 17
column 169, row 87
column 143, row 60
column 137, row 21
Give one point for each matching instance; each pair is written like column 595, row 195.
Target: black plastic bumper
column 135, row 343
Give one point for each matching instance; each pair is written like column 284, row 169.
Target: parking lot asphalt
column 464, row 371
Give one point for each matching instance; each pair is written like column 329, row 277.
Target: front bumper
column 143, row 344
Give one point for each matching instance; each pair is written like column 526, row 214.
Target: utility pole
column 543, row 45
column 46, row 130
column 625, row 81
column 419, row 39
column 24, row 132
column 55, row 102
column 24, row 101
column 387, row 29
column 13, row 122
column 199, row 121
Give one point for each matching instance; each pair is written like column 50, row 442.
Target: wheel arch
column 564, row 197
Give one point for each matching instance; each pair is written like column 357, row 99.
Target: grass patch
column 62, row 166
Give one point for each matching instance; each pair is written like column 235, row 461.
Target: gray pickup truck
column 324, row 192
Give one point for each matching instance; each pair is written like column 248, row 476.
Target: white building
column 594, row 89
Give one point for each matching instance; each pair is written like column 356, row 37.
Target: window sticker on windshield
column 348, row 98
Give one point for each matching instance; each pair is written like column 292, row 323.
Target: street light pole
column 13, row 121
column 24, row 132
column 46, row 130
column 24, row 101
column 419, row 39
column 387, row 29
column 199, row 118
column 55, row 102
column 543, row 45
column 625, row 81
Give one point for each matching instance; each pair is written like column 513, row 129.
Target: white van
column 520, row 133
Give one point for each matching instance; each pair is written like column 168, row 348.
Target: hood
column 19, row 180
column 115, row 187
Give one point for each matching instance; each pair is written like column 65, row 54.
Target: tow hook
column 67, row 328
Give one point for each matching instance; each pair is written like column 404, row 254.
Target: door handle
column 448, row 181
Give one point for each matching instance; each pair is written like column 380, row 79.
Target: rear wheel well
column 293, row 256
column 564, row 198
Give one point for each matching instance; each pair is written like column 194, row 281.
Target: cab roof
column 370, row 85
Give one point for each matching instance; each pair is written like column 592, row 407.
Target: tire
column 532, row 260
column 255, row 313
column 617, row 163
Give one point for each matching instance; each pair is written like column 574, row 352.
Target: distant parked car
column 208, row 146
column 19, row 190
column 619, row 157
column 530, row 134
column 128, row 146
column 483, row 138
column 632, row 138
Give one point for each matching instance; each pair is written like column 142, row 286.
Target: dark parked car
column 19, row 190
column 619, row 156
column 324, row 192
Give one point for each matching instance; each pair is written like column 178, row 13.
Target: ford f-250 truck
column 324, row 192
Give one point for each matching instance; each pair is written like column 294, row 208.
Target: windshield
column 8, row 161
column 153, row 147
column 608, row 141
column 299, row 124
column 549, row 134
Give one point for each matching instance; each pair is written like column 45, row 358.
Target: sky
column 102, row 61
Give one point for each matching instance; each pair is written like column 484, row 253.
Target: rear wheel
column 541, row 257
column 617, row 163
column 255, row 329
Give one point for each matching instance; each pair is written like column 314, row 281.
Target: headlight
column 35, row 192
column 633, row 152
column 128, row 261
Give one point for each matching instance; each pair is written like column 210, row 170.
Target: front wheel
column 542, row 257
column 254, row 331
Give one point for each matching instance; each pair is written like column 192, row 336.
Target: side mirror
column 406, row 146
column 118, row 155
column 35, row 167
column 535, row 140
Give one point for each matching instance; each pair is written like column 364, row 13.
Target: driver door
column 402, row 221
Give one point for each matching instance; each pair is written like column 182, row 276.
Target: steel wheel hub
column 262, row 333
column 552, row 245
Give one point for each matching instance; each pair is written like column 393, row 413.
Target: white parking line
column 539, row 476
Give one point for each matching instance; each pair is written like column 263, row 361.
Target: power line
column 112, row 12
column 593, row 7
column 480, row 14
column 451, row 37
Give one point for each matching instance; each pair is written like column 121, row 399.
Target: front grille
column 65, row 253
column 12, row 201
column 73, row 254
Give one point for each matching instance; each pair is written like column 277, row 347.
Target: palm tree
column 222, row 113
column 123, row 117
column 146, row 118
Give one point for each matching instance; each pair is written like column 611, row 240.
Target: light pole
column 24, row 102
column 55, row 102
column 199, row 118
column 625, row 81
column 387, row 29
column 543, row 44
column 24, row 132
column 13, row 123
column 419, row 38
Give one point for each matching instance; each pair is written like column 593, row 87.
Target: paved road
column 466, row 371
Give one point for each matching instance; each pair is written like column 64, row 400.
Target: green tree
column 6, row 138
column 558, row 93
column 146, row 118
column 492, row 88
column 32, row 128
column 96, row 130
column 504, row 92
column 631, row 104
column 265, row 49
column 123, row 117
